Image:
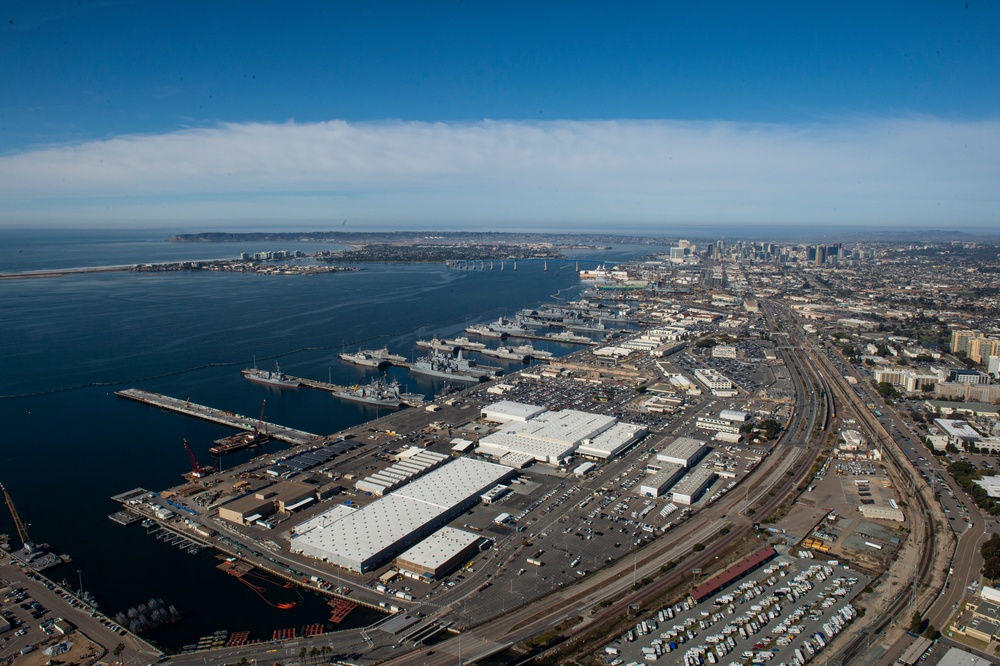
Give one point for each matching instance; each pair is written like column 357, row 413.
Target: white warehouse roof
column 438, row 548
column 683, row 451
column 734, row 415
column 508, row 411
column 610, row 443
column 549, row 437
column 363, row 539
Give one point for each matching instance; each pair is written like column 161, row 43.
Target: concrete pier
column 285, row 434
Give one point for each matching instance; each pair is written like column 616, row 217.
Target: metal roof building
column 362, row 540
column 439, row 553
column 508, row 411
column 412, row 463
column 957, row 657
column 691, row 486
column 734, row 415
column 733, row 573
column 684, row 451
column 657, row 484
column 549, row 437
column 612, row 441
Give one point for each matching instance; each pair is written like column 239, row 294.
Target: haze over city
column 464, row 115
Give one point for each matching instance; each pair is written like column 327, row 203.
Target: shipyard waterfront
column 70, row 343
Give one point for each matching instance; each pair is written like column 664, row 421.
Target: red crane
column 197, row 469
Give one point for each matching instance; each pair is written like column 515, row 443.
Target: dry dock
column 285, row 434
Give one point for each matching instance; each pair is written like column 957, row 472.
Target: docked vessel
column 413, row 399
column 447, row 367
column 434, row 343
column 238, row 441
column 270, row 377
column 569, row 337
column 504, row 352
column 531, row 352
column 378, row 392
column 484, row 330
column 363, row 357
column 465, row 343
column 513, row 328
column 387, row 356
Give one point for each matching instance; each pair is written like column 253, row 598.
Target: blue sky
column 465, row 113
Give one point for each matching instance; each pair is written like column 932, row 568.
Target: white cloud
column 915, row 170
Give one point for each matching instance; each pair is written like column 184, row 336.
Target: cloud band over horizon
column 859, row 171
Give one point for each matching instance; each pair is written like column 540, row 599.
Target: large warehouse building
column 363, row 539
column 656, row 485
column 692, row 486
column 684, row 451
column 507, row 411
column 440, row 553
column 553, row 437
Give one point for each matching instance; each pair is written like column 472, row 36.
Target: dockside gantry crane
column 197, row 469
column 22, row 529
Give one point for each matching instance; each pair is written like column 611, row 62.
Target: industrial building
column 717, row 425
column 659, row 483
column 439, row 554
column 958, row 657
column 411, row 463
column 692, row 486
column 716, row 382
column 684, row 451
column 881, row 512
column 286, row 496
column 552, row 437
column 611, row 442
column 734, row 573
column 735, row 415
column 363, row 539
column 495, row 493
column 507, row 411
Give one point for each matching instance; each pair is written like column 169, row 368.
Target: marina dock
column 283, row 433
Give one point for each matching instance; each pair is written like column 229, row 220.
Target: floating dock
column 125, row 518
column 283, row 433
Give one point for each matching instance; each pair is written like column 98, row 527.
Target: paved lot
column 767, row 615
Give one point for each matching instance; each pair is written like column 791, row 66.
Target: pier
column 318, row 385
column 280, row 432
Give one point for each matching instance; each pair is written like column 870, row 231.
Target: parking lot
column 788, row 611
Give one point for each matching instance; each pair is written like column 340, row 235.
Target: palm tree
column 118, row 651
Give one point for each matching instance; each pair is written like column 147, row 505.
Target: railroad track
column 930, row 538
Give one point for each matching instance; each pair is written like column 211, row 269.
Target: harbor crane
column 22, row 529
column 261, row 426
column 197, row 469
